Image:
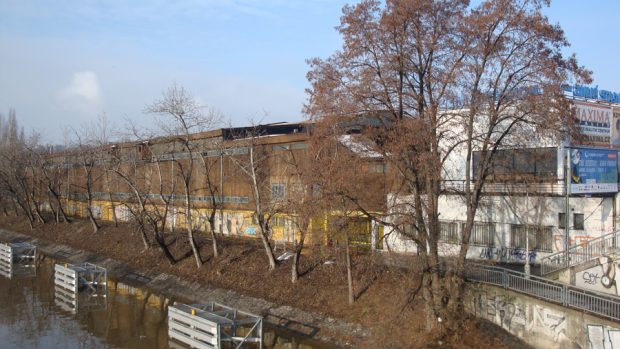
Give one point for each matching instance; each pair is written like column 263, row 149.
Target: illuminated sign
column 592, row 93
column 593, row 171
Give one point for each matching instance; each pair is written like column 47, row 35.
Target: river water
column 33, row 315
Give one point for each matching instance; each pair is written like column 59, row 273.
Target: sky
column 65, row 62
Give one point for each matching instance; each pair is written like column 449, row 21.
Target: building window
column 540, row 238
column 277, row 191
column 96, row 210
column 377, row 168
column 281, row 147
column 532, row 164
column 279, row 221
column 483, row 234
column 449, row 232
column 562, row 220
column 578, row 221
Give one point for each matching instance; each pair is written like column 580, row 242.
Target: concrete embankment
column 539, row 323
column 299, row 322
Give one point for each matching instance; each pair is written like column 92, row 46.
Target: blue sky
column 64, row 62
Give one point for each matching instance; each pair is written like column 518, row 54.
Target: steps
column 604, row 245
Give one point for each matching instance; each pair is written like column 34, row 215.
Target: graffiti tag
column 590, row 278
column 505, row 253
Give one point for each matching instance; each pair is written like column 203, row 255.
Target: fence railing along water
column 602, row 304
column 581, row 253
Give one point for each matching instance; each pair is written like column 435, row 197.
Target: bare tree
column 88, row 158
column 303, row 201
column 426, row 79
column 52, row 178
column 185, row 117
column 16, row 180
column 213, row 191
column 255, row 167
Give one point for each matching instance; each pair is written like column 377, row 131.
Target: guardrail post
column 505, row 279
column 564, row 295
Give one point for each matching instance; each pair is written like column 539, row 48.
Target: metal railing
column 602, row 304
column 556, row 187
column 581, row 253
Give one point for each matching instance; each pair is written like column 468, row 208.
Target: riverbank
column 383, row 316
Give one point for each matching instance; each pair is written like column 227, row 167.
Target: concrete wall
column 541, row 324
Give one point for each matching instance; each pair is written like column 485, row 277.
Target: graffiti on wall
column 601, row 277
column 558, row 241
column 551, row 327
column 603, row 337
column 520, row 318
column 506, row 254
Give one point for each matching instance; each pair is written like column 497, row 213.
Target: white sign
column 594, row 123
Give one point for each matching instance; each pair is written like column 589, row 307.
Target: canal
column 34, row 315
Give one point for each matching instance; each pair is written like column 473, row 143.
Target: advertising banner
column 594, row 123
column 615, row 129
column 593, row 171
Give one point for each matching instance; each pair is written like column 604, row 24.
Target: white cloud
column 84, row 86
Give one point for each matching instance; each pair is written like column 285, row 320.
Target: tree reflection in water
column 129, row 317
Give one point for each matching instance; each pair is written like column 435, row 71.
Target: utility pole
column 527, row 234
column 221, row 191
column 567, row 180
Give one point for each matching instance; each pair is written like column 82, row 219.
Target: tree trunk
column 92, row 219
column 113, row 211
column 161, row 243
column 38, row 213
column 145, row 240
column 190, row 229
column 55, row 214
column 214, row 243
column 297, row 256
column 60, row 208
column 268, row 249
column 349, row 269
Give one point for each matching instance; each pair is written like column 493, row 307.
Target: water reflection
column 36, row 314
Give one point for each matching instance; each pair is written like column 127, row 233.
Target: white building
column 511, row 205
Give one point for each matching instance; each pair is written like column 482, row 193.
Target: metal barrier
column 207, row 326
column 581, row 253
column 82, row 276
column 17, row 259
column 18, row 252
column 459, row 186
column 602, row 304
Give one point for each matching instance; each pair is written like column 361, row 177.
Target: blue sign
column 592, row 93
column 593, row 171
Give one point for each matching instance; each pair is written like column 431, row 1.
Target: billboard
column 615, row 129
column 593, row 171
column 595, row 124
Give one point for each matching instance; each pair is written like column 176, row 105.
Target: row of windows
column 483, row 234
column 578, row 221
column 104, row 195
column 290, row 146
column 508, row 163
